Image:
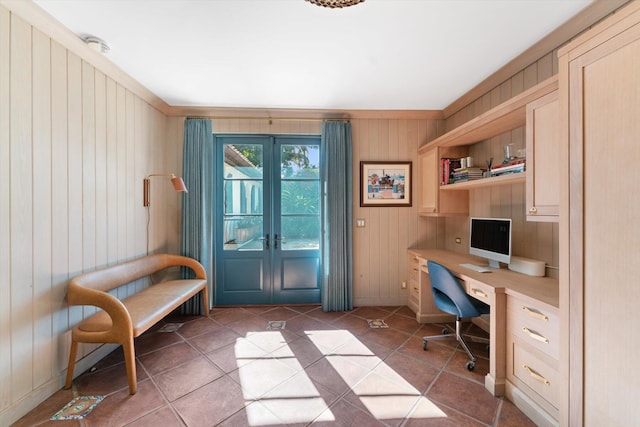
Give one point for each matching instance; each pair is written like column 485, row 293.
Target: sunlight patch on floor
column 384, row 393
column 277, row 389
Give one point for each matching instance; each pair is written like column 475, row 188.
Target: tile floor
column 321, row 369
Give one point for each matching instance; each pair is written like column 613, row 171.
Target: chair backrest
column 445, row 285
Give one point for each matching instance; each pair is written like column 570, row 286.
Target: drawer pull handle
column 479, row 292
column 535, row 336
column 536, row 376
column 533, row 210
column 415, row 289
column 415, row 269
column 535, row 314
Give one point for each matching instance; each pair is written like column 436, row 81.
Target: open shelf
column 505, row 117
column 512, row 178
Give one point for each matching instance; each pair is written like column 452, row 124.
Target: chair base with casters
column 449, row 333
column 450, row 297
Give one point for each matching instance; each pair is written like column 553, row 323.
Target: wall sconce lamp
column 178, row 185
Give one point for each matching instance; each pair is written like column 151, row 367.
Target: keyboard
column 478, row 268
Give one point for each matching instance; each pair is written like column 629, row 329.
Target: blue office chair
column 450, row 297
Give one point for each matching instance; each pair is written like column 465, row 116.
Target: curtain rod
column 270, row 119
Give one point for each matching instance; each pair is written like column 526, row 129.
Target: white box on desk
column 530, row 267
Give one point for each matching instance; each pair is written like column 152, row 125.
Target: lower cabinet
column 420, row 297
column 413, row 273
column 533, row 380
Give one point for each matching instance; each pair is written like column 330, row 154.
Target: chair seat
column 444, row 303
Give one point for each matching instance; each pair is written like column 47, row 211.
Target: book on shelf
column 447, row 168
column 466, row 174
column 515, row 166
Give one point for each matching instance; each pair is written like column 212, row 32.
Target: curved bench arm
column 120, row 318
column 183, row 261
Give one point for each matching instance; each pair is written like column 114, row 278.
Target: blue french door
column 268, row 210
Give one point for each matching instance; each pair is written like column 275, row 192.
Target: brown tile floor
column 322, row 369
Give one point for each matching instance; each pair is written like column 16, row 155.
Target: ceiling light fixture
column 95, row 43
column 333, row 4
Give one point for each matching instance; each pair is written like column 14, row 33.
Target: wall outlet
column 403, row 284
column 458, row 240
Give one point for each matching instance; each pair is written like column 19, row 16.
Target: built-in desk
column 493, row 288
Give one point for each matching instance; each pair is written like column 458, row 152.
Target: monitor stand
column 494, row 264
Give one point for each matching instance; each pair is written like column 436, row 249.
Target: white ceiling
column 380, row 54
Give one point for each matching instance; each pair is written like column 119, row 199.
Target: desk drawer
column 414, row 267
column 479, row 291
column 531, row 370
column 414, row 290
column 536, row 324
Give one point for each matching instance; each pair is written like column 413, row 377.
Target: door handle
column 536, row 375
column 277, row 239
column 266, row 240
column 534, row 335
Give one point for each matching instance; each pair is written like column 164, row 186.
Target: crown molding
column 302, row 114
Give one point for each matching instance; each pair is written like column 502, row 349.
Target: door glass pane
column 243, row 196
column 243, row 161
column 300, row 161
column 300, row 196
column 300, row 232
column 243, row 232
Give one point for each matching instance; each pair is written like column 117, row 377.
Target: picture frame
column 385, row 184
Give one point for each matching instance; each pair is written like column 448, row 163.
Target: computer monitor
column 491, row 238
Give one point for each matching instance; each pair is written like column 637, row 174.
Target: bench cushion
column 148, row 306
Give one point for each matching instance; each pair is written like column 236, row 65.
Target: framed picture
column 385, row 184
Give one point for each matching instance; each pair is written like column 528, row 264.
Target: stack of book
column 447, row 168
column 466, row 174
column 515, row 166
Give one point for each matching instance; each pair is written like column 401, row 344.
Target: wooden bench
column 120, row 321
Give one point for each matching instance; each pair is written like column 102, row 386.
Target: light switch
column 360, row 222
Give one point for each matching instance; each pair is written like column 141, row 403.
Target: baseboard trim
column 496, row 388
column 28, row 402
column 531, row 409
column 380, row 302
column 435, row 318
column 20, row 408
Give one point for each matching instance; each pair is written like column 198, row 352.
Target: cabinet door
column 603, row 96
column 428, row 164
column 543, row 164
column 432, row 201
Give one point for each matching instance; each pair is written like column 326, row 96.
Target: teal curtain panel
column 197, row 205
column 337, row 239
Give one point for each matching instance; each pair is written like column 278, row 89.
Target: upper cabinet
column 543, row 158
column 453, row 199
column 431, row 201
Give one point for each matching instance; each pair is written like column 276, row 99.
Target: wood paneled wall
column 380, row 248
column 74, row 148
column 535, row 240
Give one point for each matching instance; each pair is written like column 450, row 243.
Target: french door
column 268, row 219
